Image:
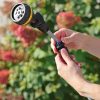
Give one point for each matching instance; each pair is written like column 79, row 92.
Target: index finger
column 60, row 33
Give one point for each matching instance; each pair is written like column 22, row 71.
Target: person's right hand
column 70, row 38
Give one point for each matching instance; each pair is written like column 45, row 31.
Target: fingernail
column 63, row 50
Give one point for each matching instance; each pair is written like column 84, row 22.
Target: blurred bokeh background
column 27, row 67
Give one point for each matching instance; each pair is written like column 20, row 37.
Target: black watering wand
column 22, row 14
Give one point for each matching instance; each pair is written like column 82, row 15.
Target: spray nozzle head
column 21, row 14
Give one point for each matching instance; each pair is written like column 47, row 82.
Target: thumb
column 67, row 40
column 66, row 56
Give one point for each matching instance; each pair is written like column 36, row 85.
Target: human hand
column 69, row 70
column 70, row 38
column 71, row 73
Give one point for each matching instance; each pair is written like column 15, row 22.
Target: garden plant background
column 27, row 66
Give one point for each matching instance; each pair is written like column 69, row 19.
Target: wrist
column 90, row 90
column 81, row 85
column 85, row 86
column 77, row 83
column 84, row 41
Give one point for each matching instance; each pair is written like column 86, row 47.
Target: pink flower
column 7, row 55
column 4, row 75
column 26, row 34
column 67, row 19
column 11, row 55
column 13, row 27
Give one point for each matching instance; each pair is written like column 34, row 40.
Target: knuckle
column 62, row 29
column 59, row 31
column 75, row 34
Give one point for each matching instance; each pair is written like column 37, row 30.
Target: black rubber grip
column 60, row 45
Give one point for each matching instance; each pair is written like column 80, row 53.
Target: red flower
column 26, row 34
column 13, row 27
column 4, row 75
column 11, row 55
column 7, row 55
column 67, row 19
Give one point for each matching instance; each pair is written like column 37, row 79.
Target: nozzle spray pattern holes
column 19, row 12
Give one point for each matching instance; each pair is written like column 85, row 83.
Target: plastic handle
column 60, row 45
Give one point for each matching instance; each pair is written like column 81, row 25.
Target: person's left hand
column 69, row 70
